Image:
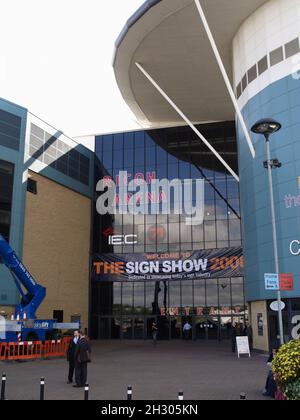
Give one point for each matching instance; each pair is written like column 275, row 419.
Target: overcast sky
column 56, row 60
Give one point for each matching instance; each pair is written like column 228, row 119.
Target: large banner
column 227, row 262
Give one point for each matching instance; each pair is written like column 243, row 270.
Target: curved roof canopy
column 167, row 37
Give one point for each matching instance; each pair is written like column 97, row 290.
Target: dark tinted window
column 276, row 56
column 6, row 192
column 32, row 186
column 244, row 82
column 263, row 65
column 10, row 130
column 292, row 48
column 252, row 74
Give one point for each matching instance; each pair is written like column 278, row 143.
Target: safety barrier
column 3, row 348
column 24, row 350
column 34, row 350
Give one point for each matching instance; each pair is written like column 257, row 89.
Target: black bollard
column 42, row 389
column 86, row 392
column 180, row 396
column 3, row 383
column 243, row 396
column 129, row 393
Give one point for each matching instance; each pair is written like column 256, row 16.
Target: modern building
column 258, row 43
column 125, row 304
column 46, row 190
column 125, row 271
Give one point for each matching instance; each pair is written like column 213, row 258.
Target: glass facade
column 6, row 192
column 126, row 309
column 210, row 306
column 173, row 153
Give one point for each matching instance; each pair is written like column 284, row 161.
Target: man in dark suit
column 71, row 356
column 82, row 358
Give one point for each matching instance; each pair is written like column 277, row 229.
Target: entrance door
column 225, row 328
column 138, row 328
column 127, row 328
column 206, row 328
column 176, row 327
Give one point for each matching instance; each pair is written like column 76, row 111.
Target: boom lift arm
column 34, row 295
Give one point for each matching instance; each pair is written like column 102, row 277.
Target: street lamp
column 267, row 127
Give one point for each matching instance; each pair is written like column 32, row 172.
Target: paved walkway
column 204, row 370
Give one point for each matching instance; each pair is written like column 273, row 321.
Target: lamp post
column 267, row 127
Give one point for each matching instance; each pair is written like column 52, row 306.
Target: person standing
column 154, row 333
column 233, row 337
column 186, row 330
column 271, row 385
column 82, row 358
column 71, row 356
column 247, row 332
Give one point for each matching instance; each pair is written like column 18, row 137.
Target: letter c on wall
column 295, row 247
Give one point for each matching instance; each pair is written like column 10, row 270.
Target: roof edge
column 142, row 10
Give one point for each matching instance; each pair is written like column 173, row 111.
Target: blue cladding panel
column 280, row 101
column 14, row 153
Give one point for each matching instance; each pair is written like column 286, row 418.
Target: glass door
column 138, row 329
column 127, row 328
column 206, row 328
column 176, row 327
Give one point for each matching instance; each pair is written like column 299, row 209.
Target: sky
column 56, row 61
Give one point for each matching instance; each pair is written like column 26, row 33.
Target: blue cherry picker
column 24, row 321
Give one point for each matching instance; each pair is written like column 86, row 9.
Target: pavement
column 204, row 370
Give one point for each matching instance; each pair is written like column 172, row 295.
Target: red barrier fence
column 3, row 347
column 34, row 350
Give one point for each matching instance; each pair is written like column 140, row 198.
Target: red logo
column 108, row 232
column 156, row 233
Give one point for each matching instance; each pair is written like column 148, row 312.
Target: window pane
column 118, row 142
column 276, row 56
column 174, row 233
column 224, row 293
column 237, row 290
column 222, row 230
column 263, row 65
column 252, row 74
column 107, row 143
column 187, row 294
column 186, row 233
column 117, row 294
column 212, row 293
column 292, row 48
column 199, row 293
column 127, row 297
column 174, row 294
column 221, row 210
column 234, row 230
column 139, row 298
column 210, row 231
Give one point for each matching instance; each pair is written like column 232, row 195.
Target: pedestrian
column 154, row 333
column 233, row 337
column 71, row 356
column 186, row 330
column 82, row 358
column 247, row 332
column 271, row 385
